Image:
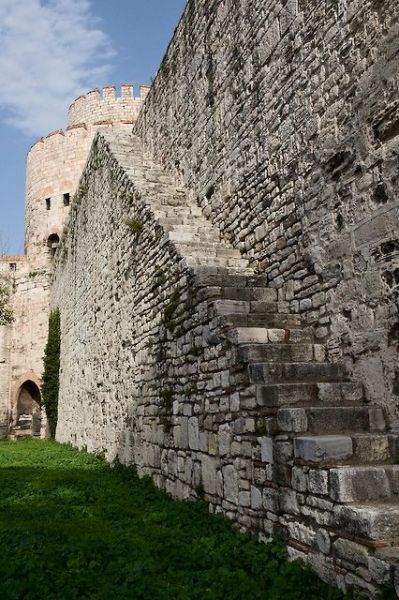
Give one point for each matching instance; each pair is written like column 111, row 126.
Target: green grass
column 73, row 528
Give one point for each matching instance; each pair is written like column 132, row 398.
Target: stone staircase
column 327, row 453
column 312, row 405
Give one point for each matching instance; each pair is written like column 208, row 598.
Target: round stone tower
column 55, row 163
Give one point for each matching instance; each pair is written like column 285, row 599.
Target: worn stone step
column 257, row 335
column 184, row 234
column 328, row 420
column 191, row 261
column 350, row 448
column 216, row 276
column 228, row 307
column 248, row 294
column 341, row 419
column 183, row 211
column 331, row 420
column 268, row 320
column 323, row 448
column 377, row 521
column 209, row 249
column 296, row 372
column 359, row 483
column 300, row 394
column 281, row 353
column 369, row 448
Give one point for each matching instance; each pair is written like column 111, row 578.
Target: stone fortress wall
column 227, row 275
column 54, row 166
column 284, row 128
column 264, row 381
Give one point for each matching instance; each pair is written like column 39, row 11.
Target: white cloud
column 50, row 52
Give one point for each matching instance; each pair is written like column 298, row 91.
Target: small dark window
column 48, row 203
column 13, row 266
column 67, row 199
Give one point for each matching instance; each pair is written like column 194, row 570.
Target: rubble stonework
column 178, row 357
column 282, row 120
column 54, row 166
column 227, row 276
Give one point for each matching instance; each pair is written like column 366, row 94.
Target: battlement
column 105, row 105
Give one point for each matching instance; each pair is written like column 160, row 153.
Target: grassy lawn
column 73, row 528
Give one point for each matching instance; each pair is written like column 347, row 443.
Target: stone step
column 273, row 335
column 228, row 307
column 342, row 419
column 369, row 448
column 248, row 294
column 329, row 420
column 192, row 261
column 184, row 234
column 296, row 372
column 215, row 276
column 353, row 448
column 268, row 320
column 377, row 521
column 281, row 353
column 358, row 483
column 323, row 448
column 208, row 249
column 302, row 394
column 185, row 211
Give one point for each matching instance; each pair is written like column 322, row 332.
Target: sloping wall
column 282, row 118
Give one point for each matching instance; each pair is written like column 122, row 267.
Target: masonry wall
column 282, row 119
column 5, row 359
column 148, row 372
column 22, row 341
column 4, row 380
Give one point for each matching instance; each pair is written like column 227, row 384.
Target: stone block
column 256, row 498
column 292, row 419
column 351, row 551
column 357, row 483
column 267, row 453
column 230, row 484
column 323, row 448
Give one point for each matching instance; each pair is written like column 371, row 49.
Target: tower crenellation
column 107, row 105
column 56, row 161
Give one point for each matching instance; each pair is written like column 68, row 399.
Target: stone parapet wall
column 282, row 119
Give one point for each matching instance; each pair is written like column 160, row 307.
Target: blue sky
column 51, row 51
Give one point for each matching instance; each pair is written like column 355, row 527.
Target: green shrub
column 51, row 380
column 135, row 225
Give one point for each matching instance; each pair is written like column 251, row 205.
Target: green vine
column 51, row 382
column 6, row 314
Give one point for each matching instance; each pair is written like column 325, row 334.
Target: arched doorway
column 28, row 409
column 53, row 242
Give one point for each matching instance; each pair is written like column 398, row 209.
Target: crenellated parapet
column 106, row 105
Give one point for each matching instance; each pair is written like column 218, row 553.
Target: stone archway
column 28, row 410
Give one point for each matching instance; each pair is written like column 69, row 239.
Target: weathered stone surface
column 284, row 234
column 353, row 484
column 323, row 447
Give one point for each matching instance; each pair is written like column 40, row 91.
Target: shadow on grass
column 91, row 532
